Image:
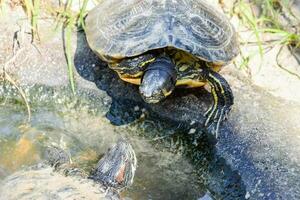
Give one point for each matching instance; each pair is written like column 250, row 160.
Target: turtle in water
column 161, row 44
column 63, row 180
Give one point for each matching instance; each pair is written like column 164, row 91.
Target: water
column 79, row 126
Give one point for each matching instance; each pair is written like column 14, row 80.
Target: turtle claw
column 214, row 120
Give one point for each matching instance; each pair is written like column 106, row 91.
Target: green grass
column 82, row 14
column 71, row 21
column 68, row 25
column 269, row 21
column 34, row 18
column 66, row 17
column 247, row 16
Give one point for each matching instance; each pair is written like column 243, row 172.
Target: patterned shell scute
column 124, row 28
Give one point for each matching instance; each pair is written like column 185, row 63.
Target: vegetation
column 63, row 15
column 273, row 17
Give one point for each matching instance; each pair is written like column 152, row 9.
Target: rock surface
column 260, row 141
column 48, row 184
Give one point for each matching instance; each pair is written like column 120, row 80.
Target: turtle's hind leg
column 223, row 100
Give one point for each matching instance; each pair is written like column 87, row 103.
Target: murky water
column 79, row 126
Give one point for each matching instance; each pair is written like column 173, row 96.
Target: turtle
column 59, row 178
column 163, row 44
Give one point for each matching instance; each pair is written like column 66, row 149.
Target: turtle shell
column 116, row 29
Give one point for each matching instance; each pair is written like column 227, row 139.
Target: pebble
column 247, row 196
column 136, row 108
column 192, row 131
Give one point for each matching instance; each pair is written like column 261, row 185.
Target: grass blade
column 34, row 18
column 82, row 14
column 68, row 43
column 68, row 35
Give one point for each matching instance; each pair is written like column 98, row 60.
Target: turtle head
column 158, row 81
column 117, row 167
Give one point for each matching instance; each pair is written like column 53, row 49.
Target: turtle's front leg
column 223, row 100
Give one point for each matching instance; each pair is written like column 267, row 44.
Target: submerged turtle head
column 117, row 167
column 158, row 81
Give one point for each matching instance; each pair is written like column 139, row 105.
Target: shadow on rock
column 124, row 96
column 183, row 107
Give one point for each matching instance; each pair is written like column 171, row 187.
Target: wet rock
column 44, row 183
